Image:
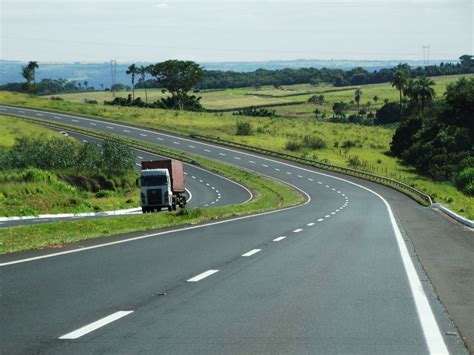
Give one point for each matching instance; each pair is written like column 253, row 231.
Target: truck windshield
column 153, row 180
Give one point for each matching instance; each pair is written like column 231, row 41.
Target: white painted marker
column 202, row 276
column 96, row 325
column 251, row 252
column 310, row 224
column 320, row 219
column 297, row 230
column 278, row 239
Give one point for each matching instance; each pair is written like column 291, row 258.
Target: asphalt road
column 335, row 275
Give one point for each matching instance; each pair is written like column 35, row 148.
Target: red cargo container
column 175, row 169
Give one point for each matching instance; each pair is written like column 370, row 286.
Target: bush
column 354, row 162
column 348, row 144
column 293, row 145
column 243, row 128
column 314, row 142
column 388, row 113
column 89, row 101
column 464, row 181
column 254, row 112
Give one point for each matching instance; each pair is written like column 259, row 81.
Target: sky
column 222, row 30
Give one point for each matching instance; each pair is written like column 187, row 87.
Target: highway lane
column 340, row 279
column 206, row 188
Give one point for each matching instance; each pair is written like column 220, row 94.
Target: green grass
column 11, row 128
column 268, row 195
column 372, row 143
column 32, row 191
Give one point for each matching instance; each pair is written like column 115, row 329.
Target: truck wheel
column 174, row 207
column 144, row 210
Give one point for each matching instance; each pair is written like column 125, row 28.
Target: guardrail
column 408, row 190
column 397, row 185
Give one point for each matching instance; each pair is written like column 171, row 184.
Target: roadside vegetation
column 268, row 195
column 44, row 172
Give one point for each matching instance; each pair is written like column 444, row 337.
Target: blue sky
column 155, row 30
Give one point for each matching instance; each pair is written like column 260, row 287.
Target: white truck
column 162, row 185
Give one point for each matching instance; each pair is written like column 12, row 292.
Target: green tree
column 375, row 98
column 399, row 80
column 132, row 70
column 357, row 96
column 143, row 71
column 29, row 73
column 425, row 91
column 178, row 77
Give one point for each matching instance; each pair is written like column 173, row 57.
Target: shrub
column 464, row 181
column 348, row 144
column 89, row 101
column 244, row 128
column 388, row 113
column 354, row 162
column 314, row 142
column 293, row 145
column 255, row 112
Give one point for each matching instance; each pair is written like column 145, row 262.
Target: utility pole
column 426, row 55
column 113, row 75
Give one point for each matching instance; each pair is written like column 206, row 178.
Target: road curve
column 331, row 276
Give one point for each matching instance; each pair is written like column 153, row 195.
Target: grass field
column 268, row 95
column 32, row 191
column 345, row 144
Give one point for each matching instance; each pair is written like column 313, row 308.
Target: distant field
column 369, row 144
column 268, row 95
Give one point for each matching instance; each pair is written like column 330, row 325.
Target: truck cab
column 155, row 190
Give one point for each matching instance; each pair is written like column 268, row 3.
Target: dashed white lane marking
column 333, row 189
column 207, row 184
column 57, row 117
column 278, row 239
column 251, row 252
column 137, row 164
column 310, row 179
column 176, row 142
column 343, row 195
column 328, row 186
column 212, row 187
column 310, row 224
column 159, row 139
column 139, row 157
column 39, row 114
column 19, row 111
column 95, row 325
column 238, row 158
column 327, row 216
column 288, row 172
column 126, row 131
column 333, row 213
column 222, row 154
column 320, row 219
column 207, row 150
column 297, row 230
column 185, row 173
column 92, row 124
column 251, row 162
column 193, row 177
column 192, row 146
column 75, row 121
column 320, row 183
column 202, row 276
column 277, row 169
column 300, row 176
column 201, row 181
column 265, row 165
column 339, row 192
column 143, row 134
column 85, row 141
column 109, row 127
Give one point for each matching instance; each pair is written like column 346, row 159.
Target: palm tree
column 142, row 71
column 399, row 81
column 132, row 70
column 357, row 96
column 411, row 90
column 32, row 66
column 425, row 91
column 26, row 73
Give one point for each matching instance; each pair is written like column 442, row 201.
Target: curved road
column 334, row 275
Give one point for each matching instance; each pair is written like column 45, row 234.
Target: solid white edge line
column 202, row 276
column 430, row 327
column 279, row 239
column 252, row 252
column 190, row 195
column 95, row 325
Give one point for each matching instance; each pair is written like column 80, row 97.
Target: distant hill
column 98, row 74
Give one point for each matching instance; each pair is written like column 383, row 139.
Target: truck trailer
column 162, row 185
